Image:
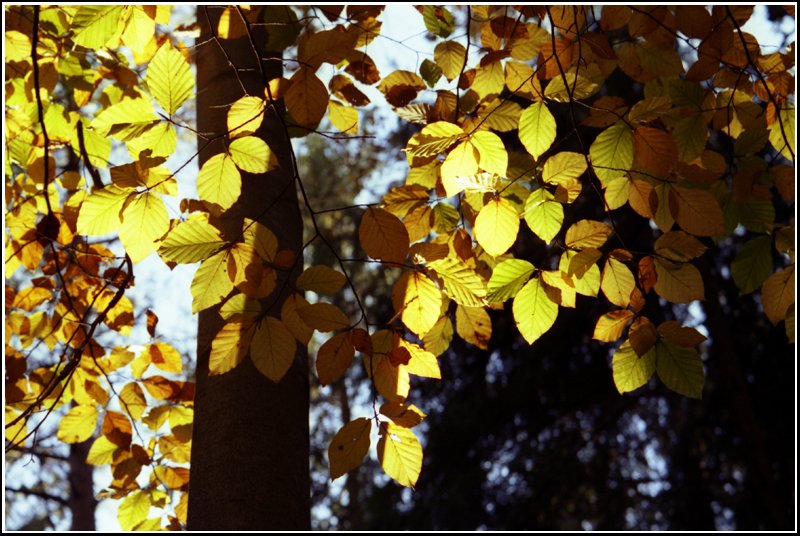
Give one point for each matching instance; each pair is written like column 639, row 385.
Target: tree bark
column 250, row 450
column 81, row 502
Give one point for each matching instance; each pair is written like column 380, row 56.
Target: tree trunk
column 81, row 502
column 250, row 462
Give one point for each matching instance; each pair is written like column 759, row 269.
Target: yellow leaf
column 15, row 433
column 680, row 368
column 534, row 312
column 100, row 212
column 507, row 278
column 678, row 283
column 344, row 118
column 696, row 211
column 782, row 133
column 474, row 325
column 777, row 294
column 349, row 446
column 211, row 282
column 564, row 167
column 589, row 283
column 617, row 282
column 496, row 226
column 126, row 120
column 169, row 78
column 307, row 98
column 543, row 215
column 649, row 109
column 583, row 261
column 320, row 279
column 612, row 152
column 402, row 415
column 301, row 331
column 679, row 246
column 102, row 452
column 245, row 116
column 450, row 57
column 434, row 139
column 78, row 424
column 230, row 346
column 422, row 363
column 17, row 46
column 219, row 181
column 94, row 26
column 144, row 221
column 252, row 154
column 391, row 381
column 493, row 156
column 461, row 282
column 489, row 80
column 323, row 316
column 461, row 161
column 139, row 32
column 273, row 348
column 383, row 236
column 418, row 301
column 248, row 273
column 587, row 234
column 191, row 241
column 165, row 357
column 334, row 357
column 437, row 340
column 260, row 237
column 631, row 371
column 537, row 129
column 400, row 454
column 610, row 326
column 133, row 509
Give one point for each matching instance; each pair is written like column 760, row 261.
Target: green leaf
column 612, row 152
column 543, row 215
column 418, row 301
column 496, row 226
column 589, row 283
column 753, row 264
column 239, row 306
column 534, row 312
column 631, row 371
column 564, row 167
column 101, row 211
column 493, row 155
column 144, row 221
column 430, row 72
column 93, row 26
column 537, row 129
column 133, row 509
column 219, row 181
column 680, row 368
column 252, row 154
column 169, row 78
column 507, row 278
column 782, row 133
column 617, row 282
column 211, row 282
column 191, row 241
column 349, row 446
column 126, row 120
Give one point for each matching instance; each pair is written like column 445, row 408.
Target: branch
column 41, row 494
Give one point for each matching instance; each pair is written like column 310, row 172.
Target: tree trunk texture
column 250, row 449
column 81, row 501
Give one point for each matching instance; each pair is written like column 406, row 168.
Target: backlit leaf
column 587, row 234
column 78, row 424
column 321, row 279
column 450, row 56
column 402, row 415
column 589, row 283
column 307, row 98
column 782, row 133
column 169, row 78
column 230, row 346
column 617, row 282
column 612, row 152
column 493, row 155
column 474, row 325
column 534, row 312
column 272, row 348
column 134, row 509
column 219, row 181
column 211, row 282
column 679, row 335
column 400, row 454
column 421, row 362
column 191, row 241
column 543, row 215
column 144, row 221
column 101, row 212
column 496, row 226
column 383, row 236
column 631, row 371
column 679, row 246
column 610, row 326
column 349, row 446
column 245, row 116
column 537, row 129
column 437, row 339
column 418, row 301
column 94, row 26
column 344, row 118
column 696, row 211
column 507, row 278
column 252, row 154
column 461, row 282
column 563, row 167
column 462, row 161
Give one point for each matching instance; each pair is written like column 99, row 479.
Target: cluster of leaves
column 495, row 117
